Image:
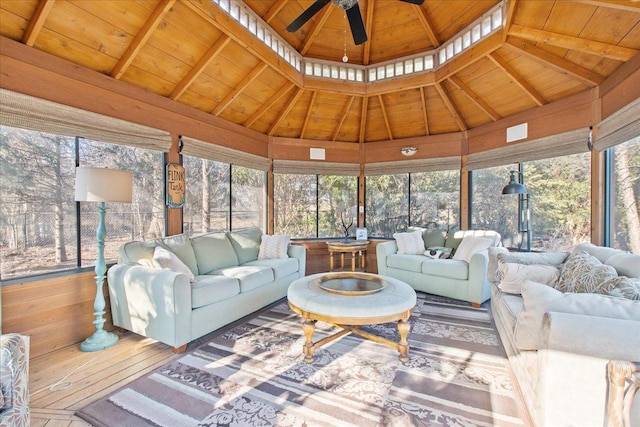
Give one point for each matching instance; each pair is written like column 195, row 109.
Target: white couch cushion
column 249, row 276
column 180, row 244
column 626, row 264
column 539, row 299
column 451, row 268
column 471, row 245
column 208, row 289
column 409, row 243
column 274, row 246
column 164, row 259
column 406, row 262
column 281, row 267
column 213, row 251
column 511, row 276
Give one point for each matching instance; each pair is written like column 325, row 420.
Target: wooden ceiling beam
column 285, row 112
column 612, row 4
column 363, row 119
column 473, row 97
column 274, row 10
column 267, row 105
column 240, row 87
column 517, row 78
column 141, row 38
column 512, row 7
column 423, row 17
column 342, row 117
column 197, row 69
column 307, row 116
column 592, row 47
column 451, row 106
column 384, row 115
column 559, row 64
column 322, row 19
column 37, row 21
column 219, row 19
column 425, row 116
column 368, row 23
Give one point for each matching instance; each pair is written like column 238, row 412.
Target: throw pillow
column 164, row 259
column 624, row 287
column 539, row 299
column 274, row 247
column 409, row 243
column 471, row 245
column 438, row 252
column 511, row 276
column 584, row 273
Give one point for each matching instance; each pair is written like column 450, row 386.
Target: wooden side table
column 357, row 248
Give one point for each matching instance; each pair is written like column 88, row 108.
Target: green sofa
column 229, row 282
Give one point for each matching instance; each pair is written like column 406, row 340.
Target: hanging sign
column 175, row 185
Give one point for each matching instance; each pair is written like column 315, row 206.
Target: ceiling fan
column 352, row 10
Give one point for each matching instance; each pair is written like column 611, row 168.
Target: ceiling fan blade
column 418, row 2
column 306, row 15
column 357, row 25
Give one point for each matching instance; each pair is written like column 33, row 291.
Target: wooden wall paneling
column 298, row 149
column 428, row 147
column 55, row 312
column 318, row 255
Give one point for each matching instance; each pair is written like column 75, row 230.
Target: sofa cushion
column 454, row 239
column 138, row 253
column 601, row 252
column 471, row 245
column 625, row 287
column 246, row 243
column 509, row 307
column 451, row 268
column 406, row 262
column 274, row 246
column 249, row 276
column 492, row 267
column 180, row 244
column 208, row 289
column 531, row 258
column 511, row 276
column 584, row 273
column 281, row 267
column 433, row 238
column 409, row 243
column 164, row 259
column 539, row 299
column 626, row 264
column 213, row 251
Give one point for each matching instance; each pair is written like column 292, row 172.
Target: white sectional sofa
column 229, row 282
column 454, row 278
column 559, row 343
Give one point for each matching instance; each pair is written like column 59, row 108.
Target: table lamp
column 101, row 185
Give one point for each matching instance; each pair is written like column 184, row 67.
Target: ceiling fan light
column 344, row 4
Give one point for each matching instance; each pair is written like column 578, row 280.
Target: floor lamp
column 101, row 185
column 524, row 208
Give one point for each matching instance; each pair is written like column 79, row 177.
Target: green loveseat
column 229, row 282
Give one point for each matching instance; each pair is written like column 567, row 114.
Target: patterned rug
column 253, row 375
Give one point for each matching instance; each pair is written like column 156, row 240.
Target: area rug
column 254, row 375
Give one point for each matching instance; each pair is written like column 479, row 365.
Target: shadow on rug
column 457, row 375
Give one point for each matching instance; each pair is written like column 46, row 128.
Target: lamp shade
column 103, row 185
column 514, row 187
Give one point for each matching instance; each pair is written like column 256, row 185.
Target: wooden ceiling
column 193, row 52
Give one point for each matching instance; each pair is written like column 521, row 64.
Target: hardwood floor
column 67, row 379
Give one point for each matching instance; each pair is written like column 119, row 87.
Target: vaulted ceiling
column 198, row 54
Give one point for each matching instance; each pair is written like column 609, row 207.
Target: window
column 37, row 213
column 207, row 196
column 39, row 230
column 387, row 207
column 312, row 206
column 560, row 192
column 248, row 198
column 141, row 220
column 625, row 196
column 435, row 199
